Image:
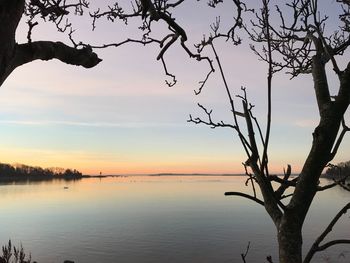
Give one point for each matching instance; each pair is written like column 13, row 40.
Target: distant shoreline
column 192, row 174
column 158, row 174
column 9, row 179
column 174, row 174
column 28, row 179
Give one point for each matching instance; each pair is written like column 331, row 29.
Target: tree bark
column 290, row 228
column 290, row 239
column 324, row 137
column 10, row 15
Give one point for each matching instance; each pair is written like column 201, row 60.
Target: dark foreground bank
column 11, row 254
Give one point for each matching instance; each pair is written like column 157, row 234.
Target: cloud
column 90, row 124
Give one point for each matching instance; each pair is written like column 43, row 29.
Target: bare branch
column 174, row 4
column 173, row 82
column 264, row 160
column 269, row 259
column 283, row 187
column 228, row 93
column 199, row 57
column 254, row 157
column 244, row 255
column 250, row 179
column 31, row 25
column 316, row 247
column 320, row 83
column 55, row 11
column 167, row 45
column 332, row 243
column 47, row 50
column 246, row 196
column 339, row 140
column 339, row 182
column 210, row 121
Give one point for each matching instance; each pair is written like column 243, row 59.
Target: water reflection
column 149, row 219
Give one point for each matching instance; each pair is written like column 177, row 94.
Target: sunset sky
column 120, row 117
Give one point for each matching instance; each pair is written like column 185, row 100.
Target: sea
column 155, row 219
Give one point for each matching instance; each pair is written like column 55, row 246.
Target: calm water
column 152, row 219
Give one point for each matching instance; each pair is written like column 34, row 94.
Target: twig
column 244, row 255
column 269, row 259
column 339, row 140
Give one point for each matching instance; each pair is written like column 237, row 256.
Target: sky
column 121, row 118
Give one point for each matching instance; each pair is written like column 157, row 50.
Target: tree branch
column 339, row 182
column 339, row 140
column 316, row 245
column 47, row 50
column 246, row 196
column 254, row 157
column 283, row 187
column 244, row 255
column 320, row 83
column 264, row 160
column 283, row 181
column 332, row 243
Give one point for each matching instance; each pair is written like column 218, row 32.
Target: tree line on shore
column 22, row 171
column 338, row 171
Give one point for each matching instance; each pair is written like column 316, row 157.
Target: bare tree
column 300, row 43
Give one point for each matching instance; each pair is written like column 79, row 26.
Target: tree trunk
column 290, row 239
column 10, row 15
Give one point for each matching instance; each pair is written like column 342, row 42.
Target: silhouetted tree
column 71, row 173
column 24, row 172
column 300, row 43
column 339, row 171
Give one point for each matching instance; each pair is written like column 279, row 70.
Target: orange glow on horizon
column 94, row 163
column 129, row 168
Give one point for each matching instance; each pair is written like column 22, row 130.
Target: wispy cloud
column 90, row 124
